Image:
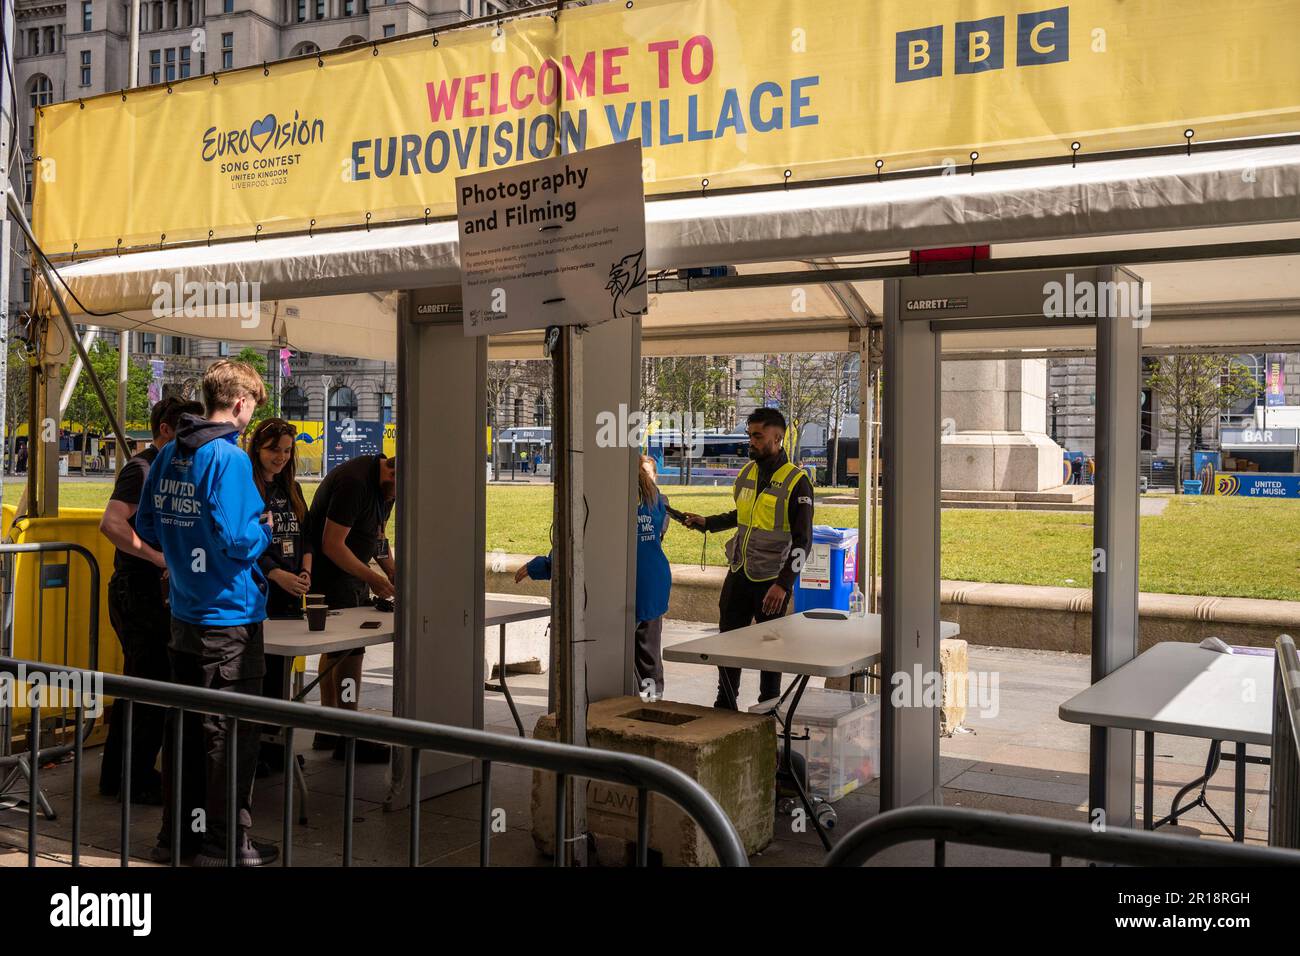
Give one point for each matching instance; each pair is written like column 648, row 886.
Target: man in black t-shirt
column 137, row 608
column 347, row 520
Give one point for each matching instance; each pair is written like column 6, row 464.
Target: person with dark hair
column 137, row 609
column 773, row 521
column 347, row 521
column 287, row 562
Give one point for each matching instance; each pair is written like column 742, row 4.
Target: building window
column 85, row 67
column 347, row 8
column 40, row 93
column 227, row 6
column 539, row 412
column 155, row 66
column 203, row 62
column 50, row 43
column 148, row 343
column 185, row 62
column 386, row 407
column 86, row 16
column 365, row 6
column 342, row 404
column 171, row 64
column 223, row 349
column 27, row 286
column 519, row 411
column 301, row 14
column 34, row 42
column 173, row 345
column 320, row 9
column 293, row 403
column 227, row 51
column 389, row 29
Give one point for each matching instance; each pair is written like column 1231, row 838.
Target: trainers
column 251, row 853
column 367, row 751
column 162, row 852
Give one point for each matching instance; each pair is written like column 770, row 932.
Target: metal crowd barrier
column 1284, row 782
column 564, row 760
column 1059, row 839
column 49, row 576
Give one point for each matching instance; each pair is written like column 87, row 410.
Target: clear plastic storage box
column 842, row 751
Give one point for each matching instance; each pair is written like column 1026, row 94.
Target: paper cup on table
column 316, row 614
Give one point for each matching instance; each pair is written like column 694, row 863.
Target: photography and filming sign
column 557, row 242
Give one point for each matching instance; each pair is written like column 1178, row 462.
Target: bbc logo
column 979, row 45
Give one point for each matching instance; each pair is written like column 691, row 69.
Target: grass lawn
column 1231, row 547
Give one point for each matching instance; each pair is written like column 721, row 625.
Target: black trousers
column 219, row 658
column 741, row 605
column 648, row 658
column 143, row 625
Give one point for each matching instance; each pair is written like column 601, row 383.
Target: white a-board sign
column 556, row 242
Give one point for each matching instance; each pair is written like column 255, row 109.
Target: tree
column 17, row 385
column 257, row 359
column 691, row 389
column 84, row 407
column 501, row 377
column 1194, row 389
column 801, row 383
column 843, row 395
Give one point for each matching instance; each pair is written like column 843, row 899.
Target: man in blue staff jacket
column 201, row 508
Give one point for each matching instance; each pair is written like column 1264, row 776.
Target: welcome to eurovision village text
column 762, row 108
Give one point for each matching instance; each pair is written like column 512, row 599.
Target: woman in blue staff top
column 654, row 580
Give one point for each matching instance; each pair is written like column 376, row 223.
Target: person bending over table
column 346, row 527
column 773, row 521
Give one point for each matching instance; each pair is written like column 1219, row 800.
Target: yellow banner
column 735, row 92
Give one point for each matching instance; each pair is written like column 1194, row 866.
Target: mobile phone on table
column 370, row 625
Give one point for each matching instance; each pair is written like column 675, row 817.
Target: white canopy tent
column 1215, row 235
column 332, row 292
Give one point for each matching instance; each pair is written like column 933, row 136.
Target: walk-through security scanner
column 919, row 315
column 441, row 520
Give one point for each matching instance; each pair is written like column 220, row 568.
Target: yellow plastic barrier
column 77, row 526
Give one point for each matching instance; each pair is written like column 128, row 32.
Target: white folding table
column 1189, row 691
column 809, row 644
column 290, row 638
column 500, row 610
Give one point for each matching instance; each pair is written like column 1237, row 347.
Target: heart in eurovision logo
column 261, row 131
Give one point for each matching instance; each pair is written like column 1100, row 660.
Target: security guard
column 773, row 521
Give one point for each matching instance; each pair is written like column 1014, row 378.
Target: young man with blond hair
column 202, row 509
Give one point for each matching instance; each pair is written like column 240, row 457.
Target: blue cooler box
column 829, row 572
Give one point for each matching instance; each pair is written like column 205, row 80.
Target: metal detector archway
column 918, row 312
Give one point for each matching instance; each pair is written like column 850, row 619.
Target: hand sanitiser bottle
column 857, row 602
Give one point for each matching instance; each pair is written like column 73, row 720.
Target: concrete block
column 731, row 755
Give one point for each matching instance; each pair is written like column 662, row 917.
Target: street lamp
column 1056, row 398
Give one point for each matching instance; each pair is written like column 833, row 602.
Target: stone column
column 995, row 427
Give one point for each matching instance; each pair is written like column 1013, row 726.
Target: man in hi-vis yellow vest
column 773, row 521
